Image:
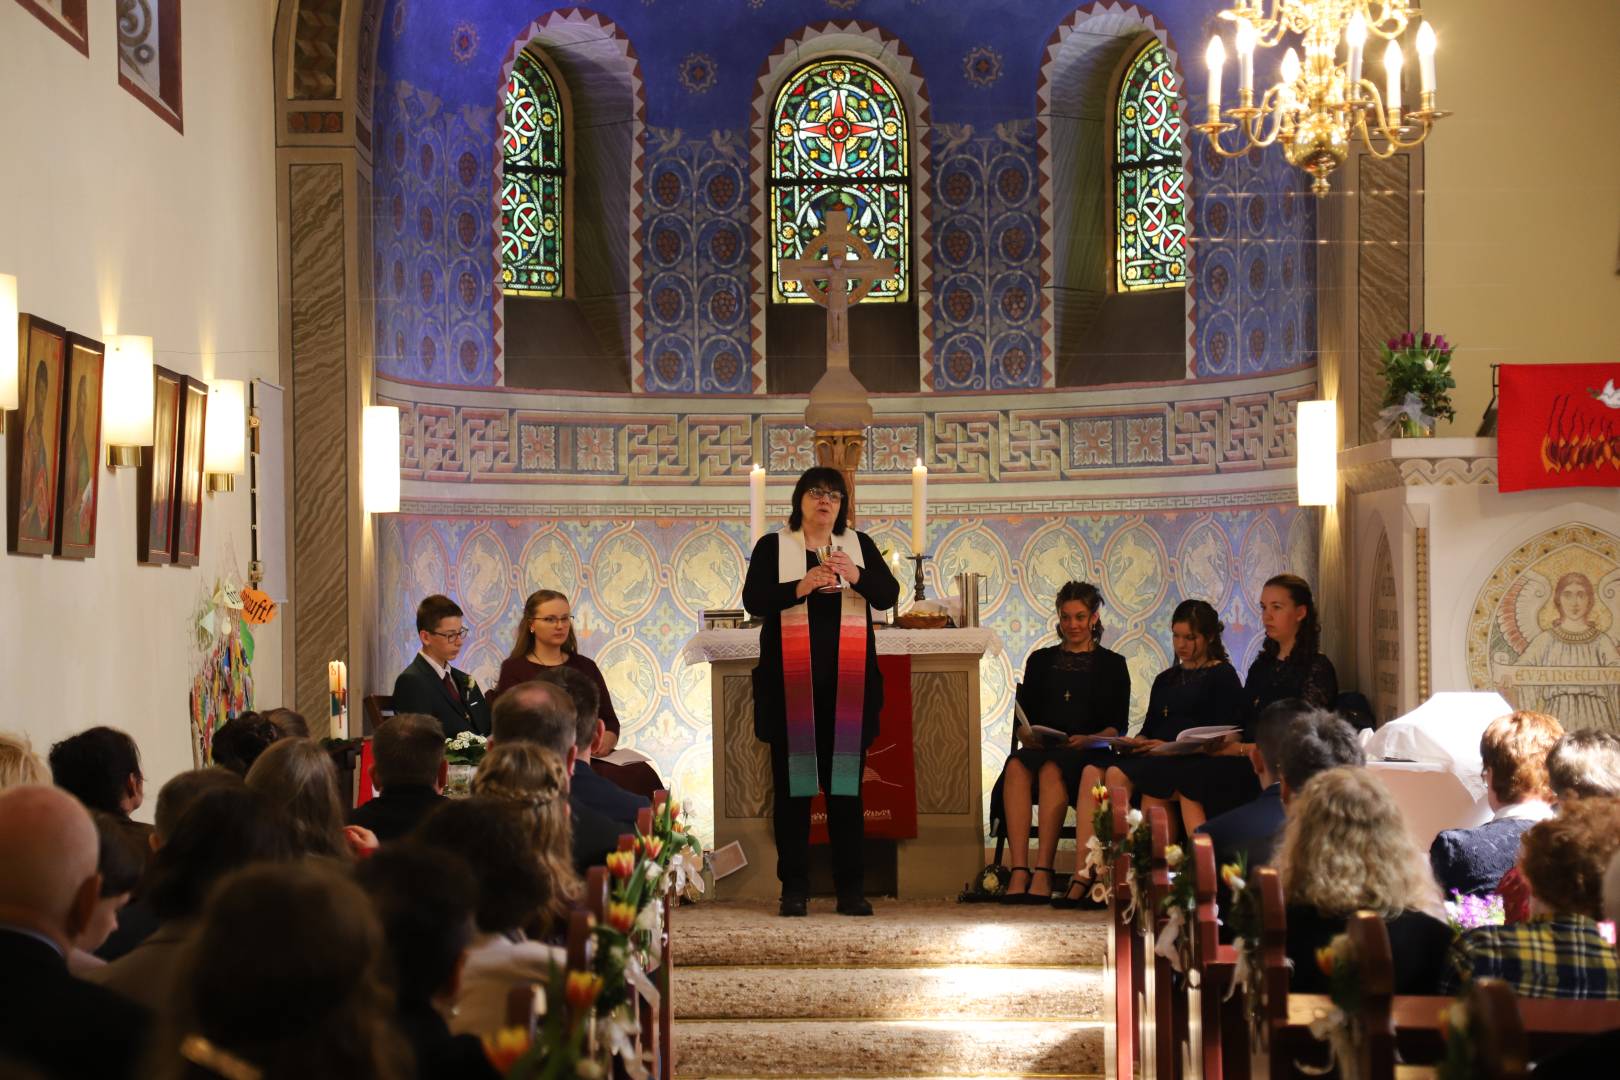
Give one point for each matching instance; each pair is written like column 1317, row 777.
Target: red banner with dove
column 1558, row 425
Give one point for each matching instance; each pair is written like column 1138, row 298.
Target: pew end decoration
column 1180, row 909
column 1248, row 973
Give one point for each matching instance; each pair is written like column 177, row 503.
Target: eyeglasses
column 451, row 635
column 825, row 493
column 554, row 620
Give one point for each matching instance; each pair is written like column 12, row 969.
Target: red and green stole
column 793, row 562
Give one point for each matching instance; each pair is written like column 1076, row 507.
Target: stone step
column 909, row 934
column 808, row 1049
column 920, row 993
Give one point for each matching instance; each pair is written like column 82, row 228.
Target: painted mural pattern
column 639, row 585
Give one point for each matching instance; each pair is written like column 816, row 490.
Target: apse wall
column 635, row 504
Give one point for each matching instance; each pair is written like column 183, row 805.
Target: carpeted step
column 920, row 993
column 734, row 932
column 878, row 1048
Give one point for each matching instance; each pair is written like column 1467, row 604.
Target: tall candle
column 756, row 504
column 1215, row 57
column 337, row 682
column 1247, row 38
column 919, row 509
column 1355, row 39
column 1392, row 84
column 1426, row 44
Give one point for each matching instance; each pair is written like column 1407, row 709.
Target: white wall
column 114, row 222
column 1522, row 211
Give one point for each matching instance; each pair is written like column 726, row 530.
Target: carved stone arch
column 1083, row 62
column 886, row 51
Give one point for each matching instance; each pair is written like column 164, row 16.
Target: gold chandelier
column 1316, row 103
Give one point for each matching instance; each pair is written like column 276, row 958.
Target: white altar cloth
column 716, row 645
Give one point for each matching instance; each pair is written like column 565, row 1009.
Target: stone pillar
column 841, row 450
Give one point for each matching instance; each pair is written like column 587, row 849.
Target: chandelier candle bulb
column 1215, row 57
column 919, row 508
column 1355, row 39
column 1246, row 38
column 756, row 504
column 1289, row 73
column 1392, row 75
column 1426, row 44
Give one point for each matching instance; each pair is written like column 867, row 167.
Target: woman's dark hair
column 289, row 722
column 316, row 1004
column 239, row 743
column 820, row 477
column 120, row 859
column 424, row 897
column 489, row 834
column 224, row 829
column 1308, row 641
column 298, row 777
column 1089, row 595
column 1200, row 616
column 94, row 767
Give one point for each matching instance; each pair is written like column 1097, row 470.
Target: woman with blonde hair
column 534, row 780
column 1346, row 849
column 19, row 764
column 545, row 639
column 299, row 777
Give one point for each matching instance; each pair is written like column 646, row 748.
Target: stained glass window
column 1150, row 182
column 532, row 182
column 839, row 137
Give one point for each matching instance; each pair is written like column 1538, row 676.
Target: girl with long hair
column 1290, row 664
column 545, row 639
column 534, row 780
column 298, row 777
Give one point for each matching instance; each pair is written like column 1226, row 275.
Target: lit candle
column 1215, row 57
column 919, row 508
column 1426, row 44
column 1289, row 72
column 1392, row 82
column 337, row 682
column 1246, row 39
column 756, row 504
column 1355, row 38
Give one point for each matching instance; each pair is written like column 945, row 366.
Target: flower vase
column 1408, row 428
column 458, row 784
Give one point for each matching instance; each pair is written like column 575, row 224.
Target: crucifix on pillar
column 839, row 410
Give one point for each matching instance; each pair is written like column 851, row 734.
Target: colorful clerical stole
column 793, row 562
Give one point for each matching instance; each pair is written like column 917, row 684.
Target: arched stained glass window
column 838, row 135
column 1150, row 182
column 532, row 182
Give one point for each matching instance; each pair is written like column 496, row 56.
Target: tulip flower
column 621, row 864
column 1393, row 344
column 1172, row 855
column 1100, row 793
column 582, row 989
column 621, row 916
column 1231, row 876
column 1324, row 960
column 1428, row 342
column 651, row 846
column 505, row 1047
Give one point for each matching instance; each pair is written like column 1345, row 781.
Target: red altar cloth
column 889, row 784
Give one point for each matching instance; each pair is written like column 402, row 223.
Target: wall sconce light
column 1316, row 468
column 127, row 399
column 9, row 346
column 225, row 437
column 379, row 458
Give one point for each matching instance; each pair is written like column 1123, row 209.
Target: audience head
column 537, row 712
column 1514, row 750
column 120, row 860
column 102, row 766
column 48, row 847
column 1564, row 858
column 1272, row 731
column 818, row 479
column 298, row 777
column 494, row 840
column 317, row 1003
column 239, row 743
column 175, row 797
column 424, row 898
column 1346, row 847
column 1318, row 740
column 1194, row 620
column 438, row 625
column 534, row 780
column 289, row 723
column 407, row 749
column 1585, row 765
column 1288, row 613
column 18, row 762
column 546, row 616
column 582, row 692
column 220, row 830
column 1079, row 607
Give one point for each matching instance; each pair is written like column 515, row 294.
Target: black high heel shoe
column 1011, row 898
column 1069, row 901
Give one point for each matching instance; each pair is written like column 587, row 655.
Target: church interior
column 329, row 306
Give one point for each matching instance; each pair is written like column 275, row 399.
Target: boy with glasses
column 430, row 684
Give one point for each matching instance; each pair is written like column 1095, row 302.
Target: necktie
column 450, row 688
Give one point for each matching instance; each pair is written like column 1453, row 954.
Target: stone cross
column 827, row 281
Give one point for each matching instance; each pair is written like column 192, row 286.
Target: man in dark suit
column 407, row 755
column 543, row 713
column 49, row 1020
column 590, row 787
column 430, row 685
column 1251, row 830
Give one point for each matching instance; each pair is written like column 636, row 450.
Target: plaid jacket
column 1560, row 956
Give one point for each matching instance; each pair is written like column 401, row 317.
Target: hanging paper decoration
column 222, row 687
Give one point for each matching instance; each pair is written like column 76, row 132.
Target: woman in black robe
column 1083, row 690
column 778, row 582
column 1290, row 664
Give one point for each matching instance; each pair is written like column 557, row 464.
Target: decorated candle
column 919, row 508
column 756, row 504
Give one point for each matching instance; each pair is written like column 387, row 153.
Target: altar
column 948, row 849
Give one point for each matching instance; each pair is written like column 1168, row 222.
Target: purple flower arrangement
column 1469, row 912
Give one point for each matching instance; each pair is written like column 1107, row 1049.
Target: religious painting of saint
column 154, row 504
column 1550, row 633
column 34, row 439
column 81, row 480
column 189, row 473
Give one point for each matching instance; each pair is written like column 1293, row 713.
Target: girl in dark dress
column 545, row 639
column 1200, row 689
column 1080, row 688
column 1290, row 664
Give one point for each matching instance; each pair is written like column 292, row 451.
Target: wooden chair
column 377, row 708
column 1123, row 960
column 1493, row 1015
column 998, row 804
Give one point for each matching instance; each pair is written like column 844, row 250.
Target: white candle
column 756, row 504
column 1215, row 57
column 1426, row 44
column 919, row 508
column 1289, row 75
column 1355, row 38
column 336, row 677
column 1392, row 81
column 1246, row 38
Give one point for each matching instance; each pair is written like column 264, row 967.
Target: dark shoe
column 854, row 905
column 1079, row 887
column 793, row 907
column 1014, row 898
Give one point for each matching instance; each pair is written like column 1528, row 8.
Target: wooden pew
column 1164, row 1003
column 1216, row 1029
column 1122, row 960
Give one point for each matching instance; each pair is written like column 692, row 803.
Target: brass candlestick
column 919, row 591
